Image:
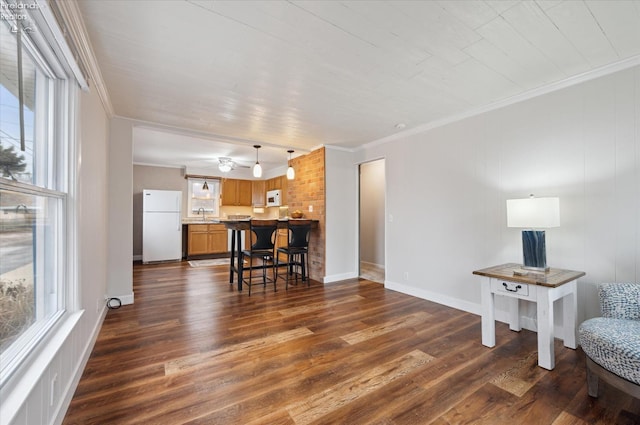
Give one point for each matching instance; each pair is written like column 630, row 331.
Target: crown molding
column 183, row 131
column 74, row 24
column 602, row 71
column 149, row 164
column 340, row 148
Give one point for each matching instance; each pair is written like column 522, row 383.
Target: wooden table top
column 282, row 223
column 552, row 278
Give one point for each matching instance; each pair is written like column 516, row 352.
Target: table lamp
column 533, row 213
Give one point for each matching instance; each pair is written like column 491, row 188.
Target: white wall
column 120, row 276
column 149, row 177
column 372, row 213
column 41, row 390
column 447, row 187
column 341, row 209
column 93, row 206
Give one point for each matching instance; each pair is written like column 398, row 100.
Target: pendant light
column 257, row 168
column 291, row 173
column 205, row 186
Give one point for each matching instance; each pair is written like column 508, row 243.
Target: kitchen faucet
column 203, row 213
column 26, row 210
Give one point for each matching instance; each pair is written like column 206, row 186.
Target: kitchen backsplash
column 268, row 212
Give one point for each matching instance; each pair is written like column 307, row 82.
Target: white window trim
column 17, row 368
column 201, row 180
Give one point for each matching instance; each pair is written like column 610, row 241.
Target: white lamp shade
column 257, row 170
column 291, row 173
column 533, row 213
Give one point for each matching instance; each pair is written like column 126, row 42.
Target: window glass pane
column 33, row 201
column 206, row 198
column 28, row 271
column 17, row 164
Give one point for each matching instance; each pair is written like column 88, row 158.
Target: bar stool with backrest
column 262, row 234
column 297, row 249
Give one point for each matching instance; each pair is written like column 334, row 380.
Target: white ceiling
column 298, row 74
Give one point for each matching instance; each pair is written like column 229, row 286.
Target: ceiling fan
column 226, row 164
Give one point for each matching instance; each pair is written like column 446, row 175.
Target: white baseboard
column 526, row 322
column 339, row 277
column 137, row 257
column 124, row 299
column 435, row 297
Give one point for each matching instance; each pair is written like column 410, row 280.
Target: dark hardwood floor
column 194, row 350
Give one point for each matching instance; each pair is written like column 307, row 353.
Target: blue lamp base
column 534, row 250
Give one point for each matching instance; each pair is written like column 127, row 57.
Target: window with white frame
column 35, row 103
column 204, row 197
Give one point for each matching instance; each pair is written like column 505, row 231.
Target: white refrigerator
column 161, row 225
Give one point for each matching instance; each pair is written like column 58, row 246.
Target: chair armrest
column 620, row 300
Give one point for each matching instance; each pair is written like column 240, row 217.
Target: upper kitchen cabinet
column 278, row 183
column 284, row 186
column 272, row 184
column 259, row 193
column 236, row 192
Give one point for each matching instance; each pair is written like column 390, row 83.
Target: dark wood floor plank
column 488, row 405
column 192, row 349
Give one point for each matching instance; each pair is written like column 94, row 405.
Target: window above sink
column 203, row 199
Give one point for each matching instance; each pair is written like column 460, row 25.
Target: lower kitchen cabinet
column 282, row 241
column 205, row 239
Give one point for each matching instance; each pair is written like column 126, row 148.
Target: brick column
column 308, row 189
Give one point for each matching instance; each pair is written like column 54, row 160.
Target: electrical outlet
column 310, row 208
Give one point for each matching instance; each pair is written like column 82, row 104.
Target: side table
column 538, row 287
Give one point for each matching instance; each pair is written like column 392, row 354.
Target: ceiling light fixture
column 225, row 164
column 257, row 168
column 291, row 173
column 205, row 186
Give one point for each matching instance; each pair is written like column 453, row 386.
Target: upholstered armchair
column 612, row 342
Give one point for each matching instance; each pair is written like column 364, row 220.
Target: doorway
column 372, row 220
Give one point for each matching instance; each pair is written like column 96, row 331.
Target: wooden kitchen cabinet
column 282, row 238
column 284, row 186
column 278, row 183
column 236, row 192
column 197, row 239
column 228, row 192
column 205, row 239
column 258, row 193
column 273, row 184
column 217, row 240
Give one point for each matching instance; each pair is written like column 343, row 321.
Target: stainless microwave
column 273, row 198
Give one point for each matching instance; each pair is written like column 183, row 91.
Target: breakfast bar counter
column 237, row 226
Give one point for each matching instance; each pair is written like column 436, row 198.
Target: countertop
column 201, row 221
column 215, row 220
